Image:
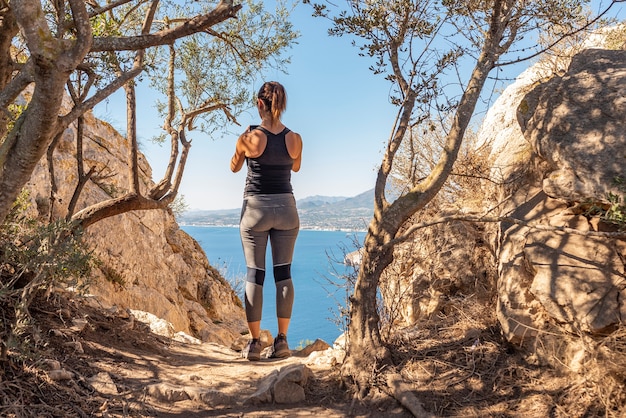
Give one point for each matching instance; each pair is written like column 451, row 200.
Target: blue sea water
column 317, row 269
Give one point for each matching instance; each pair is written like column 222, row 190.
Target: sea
column 319, row 274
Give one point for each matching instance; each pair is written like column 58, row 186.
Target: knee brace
column 256, row 276
column 282, row 272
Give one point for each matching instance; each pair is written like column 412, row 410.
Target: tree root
column 402, row 393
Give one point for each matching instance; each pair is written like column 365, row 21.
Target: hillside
column 316, row 212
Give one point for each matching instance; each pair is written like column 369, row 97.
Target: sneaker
column 253, row 350
column 280, row 348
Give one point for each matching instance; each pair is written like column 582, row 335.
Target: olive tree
column 425, row 47
column 50, row 49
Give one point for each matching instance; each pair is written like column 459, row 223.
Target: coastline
column 302, row 227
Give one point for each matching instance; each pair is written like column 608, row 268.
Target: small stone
column 58, row 375
column 77, row 346
column 166, row 392
column 52, row 364
column 318, row 345
column 103, row 383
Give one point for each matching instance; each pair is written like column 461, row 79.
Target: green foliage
column 303, row 344
column 111, row 189
column 613, row 212
column 220, row 70
column 179, row 206
column 616, row 37
column 112, row 275
column 35, row 258
column 15, row 110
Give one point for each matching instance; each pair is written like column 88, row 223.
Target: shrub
column 35, row 258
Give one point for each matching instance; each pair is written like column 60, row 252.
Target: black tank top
column 270, row 173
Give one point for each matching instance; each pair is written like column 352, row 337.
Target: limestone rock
column 103, row 383
column 438, row 262
column 290, row 383
column 577, row 279
column 282, row 386
column 167, row 392
column 263, row 394
column 147, row 262
column 317, row 345
column 328, row 357
column 576, row 123
column 573, row 140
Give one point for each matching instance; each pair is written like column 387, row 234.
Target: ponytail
column 273, row 95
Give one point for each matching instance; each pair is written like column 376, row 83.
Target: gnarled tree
column 91, row 50
column 424, row 48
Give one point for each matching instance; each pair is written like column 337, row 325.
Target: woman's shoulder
column 292, row 134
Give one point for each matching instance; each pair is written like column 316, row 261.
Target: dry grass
column 456, row 363
column 460, row 366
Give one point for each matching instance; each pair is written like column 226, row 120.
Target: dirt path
column 136, row 373
column 209, row 380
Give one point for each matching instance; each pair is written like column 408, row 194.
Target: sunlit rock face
column 148, row 263
column 557, row 145
column 575, row 128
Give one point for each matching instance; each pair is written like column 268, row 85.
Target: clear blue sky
column 335, row 102
column 338, row 106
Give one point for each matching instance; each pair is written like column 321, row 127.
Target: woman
column 269, row 210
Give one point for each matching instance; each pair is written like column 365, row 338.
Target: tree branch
column 112, row 207
column 108, row 7
column 222, row 12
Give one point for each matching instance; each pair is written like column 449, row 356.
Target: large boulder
column 573, row 131
column 148, row 263
column 577, row 124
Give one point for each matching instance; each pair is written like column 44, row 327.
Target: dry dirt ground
column 456, row 365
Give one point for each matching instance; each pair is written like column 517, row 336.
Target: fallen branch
column 402, row 393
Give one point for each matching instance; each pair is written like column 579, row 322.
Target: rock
column 103, row 383
column 328, row 357
column 354, row 258
column 282, row 386
column 318, row 345
column 166, row 392
column 59, row 375
column 439, row 261
column 577, row 279
column 148, row 263
column 210, row 397
column 158, row 326
column 568, row 151
column 263, row 394
column 576, row 123
column 184, row 338
column 290, row 383
column 340, row 342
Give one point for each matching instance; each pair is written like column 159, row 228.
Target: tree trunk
column 31, row 136
column 8, row 30
column 366, row 353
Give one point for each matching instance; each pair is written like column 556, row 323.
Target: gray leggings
column 274, row 217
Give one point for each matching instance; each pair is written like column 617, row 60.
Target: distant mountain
column 320, row 200
column 316, row 212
